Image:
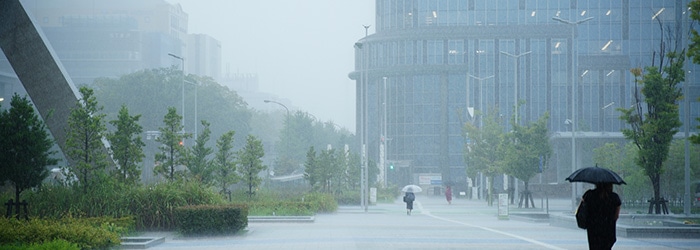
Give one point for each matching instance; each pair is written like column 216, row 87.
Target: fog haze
column 301, row 50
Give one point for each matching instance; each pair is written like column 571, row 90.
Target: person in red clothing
column 448, row 194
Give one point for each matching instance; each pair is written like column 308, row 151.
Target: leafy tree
column 341, row 178
column 654, row 119
column 484, row 153
column 694, row 46
column 674, row 167
column 86, row 129
column 199, row 166
column 352, row 171
column 694, row 49
column 296, row 136
column 172, row 149
column 527, row 151
column 311, row 168
column 127, row 146
column 325, row 171
column 25, row 147
column 250, row 163
column 150, row 92
column 224, row 162
column 620, row 159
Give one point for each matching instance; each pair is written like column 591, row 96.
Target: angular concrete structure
column 38, row 68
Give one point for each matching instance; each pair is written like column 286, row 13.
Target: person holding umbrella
column 409, row 197
column 602, row 205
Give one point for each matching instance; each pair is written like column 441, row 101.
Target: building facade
column 432, row 66
column 108, row 39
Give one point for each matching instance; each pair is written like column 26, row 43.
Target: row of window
column 401, row 14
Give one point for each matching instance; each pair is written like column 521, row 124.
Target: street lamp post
column 515, row 106
column 515, row 79
column 573, row 100
column 286, row 119
column 195, row 109
column 481, row 95
column 182, row 67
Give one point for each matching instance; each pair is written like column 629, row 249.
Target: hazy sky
column 301, row 50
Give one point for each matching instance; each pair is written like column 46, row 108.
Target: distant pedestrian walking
column 603, row 209
column 448, row 194
column 409, row 197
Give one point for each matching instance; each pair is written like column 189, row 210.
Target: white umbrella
column 411, row 188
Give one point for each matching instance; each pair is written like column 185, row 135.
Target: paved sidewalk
column 466, row 224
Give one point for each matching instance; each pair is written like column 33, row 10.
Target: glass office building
column 430, row 62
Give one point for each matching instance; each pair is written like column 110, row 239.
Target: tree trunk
column 655, row 182
column 17, row 207
column 489, row 195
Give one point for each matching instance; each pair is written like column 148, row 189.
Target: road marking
column 536, row 242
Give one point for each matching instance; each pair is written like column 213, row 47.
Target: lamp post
column 515, row 108
column 481, row 95
column 382, row 138
column 286, row 119
column 573, row 100
column 195, row 109
column 182, row 67
column 515, row 79
column 363, row 126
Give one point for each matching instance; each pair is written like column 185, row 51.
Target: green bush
column 154, row 206
column 211, row 219
column 321, row 202
column 151, row 207
column 348, row 198
column 77, row 231
column 279, row 208
column 50, row 245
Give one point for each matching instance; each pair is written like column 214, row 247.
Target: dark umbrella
column 595, row 175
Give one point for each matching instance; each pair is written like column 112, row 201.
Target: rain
column 311, row 124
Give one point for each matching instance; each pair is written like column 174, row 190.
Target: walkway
column 466, row 224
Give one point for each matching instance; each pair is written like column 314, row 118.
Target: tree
column 127, row 146
column 483, row 152
column 297, row 135
column 150, row 92
column 325, row 171
column 250, row 162
column 311, row 168
column 674, row 169
column 199, row 166
column 527, row 151
column 654, row 119
column 172, row 149
column 224, row 162
column 25, row 147
column 694, row 49
column 86, row 129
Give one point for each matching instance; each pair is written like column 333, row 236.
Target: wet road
column 465, row 224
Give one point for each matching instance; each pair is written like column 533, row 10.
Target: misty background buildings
column 424, row 68
column 108, row 39
column 431, row 66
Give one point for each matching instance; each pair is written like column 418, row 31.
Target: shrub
column 154, row 206
column 280, row 208
column 50, row 245
column 321, row 202
column 211, row 219
column 77, row 231
column 348, row 198
column 151, row 207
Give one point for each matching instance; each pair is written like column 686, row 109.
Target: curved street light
column 573, row 100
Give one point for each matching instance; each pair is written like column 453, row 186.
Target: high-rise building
column 108, row 39
column 432, row 66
